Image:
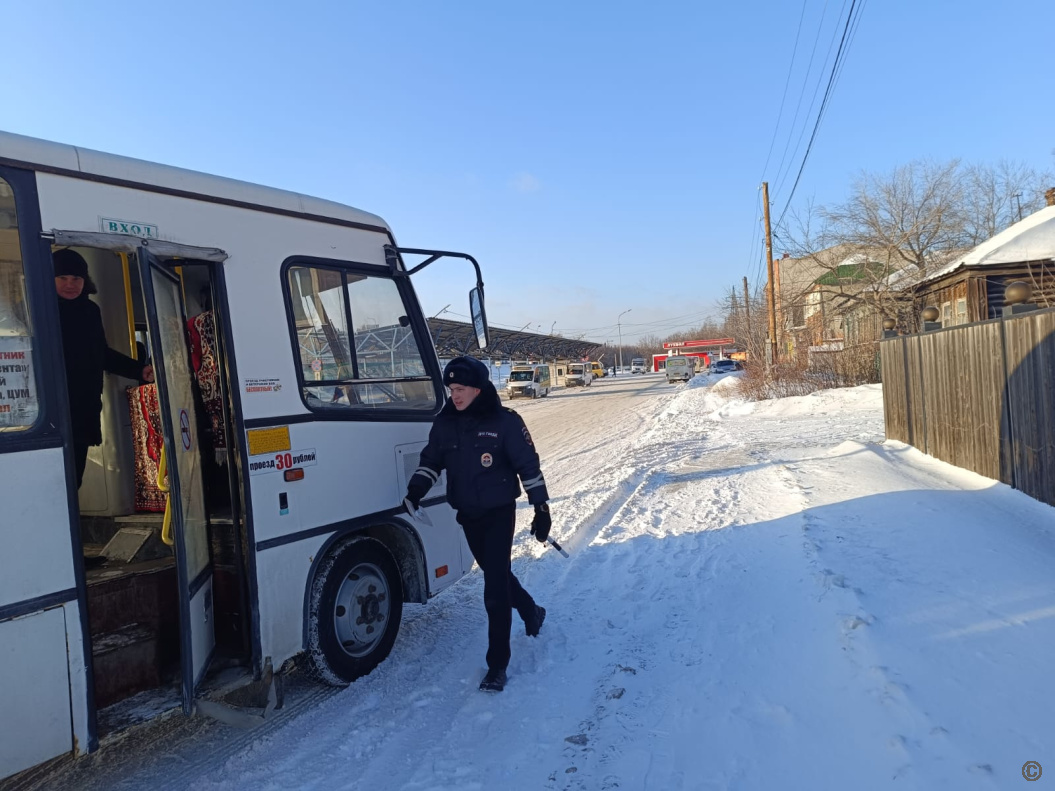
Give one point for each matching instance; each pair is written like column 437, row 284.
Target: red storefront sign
column 686, row 344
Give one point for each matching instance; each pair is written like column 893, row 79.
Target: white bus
column 295, row 386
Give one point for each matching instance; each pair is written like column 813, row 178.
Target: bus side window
column 374, row 364
column 19, row 406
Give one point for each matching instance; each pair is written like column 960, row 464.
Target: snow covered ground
column 758, row 596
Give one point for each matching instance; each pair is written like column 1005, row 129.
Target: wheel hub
column 361, row 609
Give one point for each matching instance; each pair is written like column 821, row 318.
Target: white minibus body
column 296, row 383
column 578, row 375
column 680, row 369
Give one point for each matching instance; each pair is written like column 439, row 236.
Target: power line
column 779, row 180
column 813, row 98
column 756, row 228
column 780, row 114
column 839, row 57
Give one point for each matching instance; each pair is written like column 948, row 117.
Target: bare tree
column 750, row 335
column 998, row 196
column 896, row 228
column 915, row 215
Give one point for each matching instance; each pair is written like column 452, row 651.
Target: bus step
column 135, row 544
column 126, row 661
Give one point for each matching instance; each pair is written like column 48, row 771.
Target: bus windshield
column 520, row 376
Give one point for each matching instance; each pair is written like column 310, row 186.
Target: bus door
column 167, row 321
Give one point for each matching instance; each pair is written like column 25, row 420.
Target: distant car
column 725, row 366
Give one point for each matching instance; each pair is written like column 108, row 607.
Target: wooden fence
column 980, row 396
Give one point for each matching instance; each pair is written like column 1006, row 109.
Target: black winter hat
column 69, row 262
column 466, row 371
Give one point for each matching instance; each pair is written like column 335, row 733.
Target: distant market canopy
column 454, row 338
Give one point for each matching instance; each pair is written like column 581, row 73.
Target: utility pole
column 618, row 324
column 771, row 284
column 747, row 317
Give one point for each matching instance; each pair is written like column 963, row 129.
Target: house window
column 813, row 302
column 961, row 310
column 946, row 314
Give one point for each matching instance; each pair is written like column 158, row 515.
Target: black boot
column 534, row 624
column 494, row 681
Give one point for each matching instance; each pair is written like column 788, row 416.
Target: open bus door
column 185, row 511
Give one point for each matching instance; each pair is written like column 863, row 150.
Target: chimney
column 1049, row 197
column 788, row 255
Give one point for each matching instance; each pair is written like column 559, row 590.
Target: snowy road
column 759, row 596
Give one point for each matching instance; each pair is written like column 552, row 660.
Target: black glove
column 414, row 495
column 542, row 522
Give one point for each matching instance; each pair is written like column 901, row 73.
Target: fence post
column 1006, row 408
column 922, row 396
column 903, row 343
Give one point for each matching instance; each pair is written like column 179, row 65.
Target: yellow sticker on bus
column 268, row 440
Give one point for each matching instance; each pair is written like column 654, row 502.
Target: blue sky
column 592, row 156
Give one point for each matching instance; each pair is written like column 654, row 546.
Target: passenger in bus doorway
column 484, row 447
column 86, row 354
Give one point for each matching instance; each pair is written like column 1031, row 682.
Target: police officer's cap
column 466, row 371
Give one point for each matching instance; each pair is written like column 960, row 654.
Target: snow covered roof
column 1031, row 239
column 60, row 157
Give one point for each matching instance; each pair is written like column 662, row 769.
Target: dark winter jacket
column 483, row 449
column 87, row 356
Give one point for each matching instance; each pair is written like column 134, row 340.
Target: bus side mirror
column 476, row 309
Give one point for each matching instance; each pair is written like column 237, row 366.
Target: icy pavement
column 759, row 596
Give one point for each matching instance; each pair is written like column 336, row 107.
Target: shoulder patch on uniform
column 527, row 436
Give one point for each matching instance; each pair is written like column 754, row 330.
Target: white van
column 637, row 365
column 528, row 381
column 579, row 375
column 680, row 369
column 296, row 382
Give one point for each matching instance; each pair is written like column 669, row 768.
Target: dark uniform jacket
column 483, row 450
column 87, row 356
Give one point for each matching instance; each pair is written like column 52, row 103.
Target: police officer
column 484, row 447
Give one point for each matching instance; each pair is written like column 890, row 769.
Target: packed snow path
column 758, row 596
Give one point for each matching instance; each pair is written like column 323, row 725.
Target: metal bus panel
column 35, row 693
column 36, row 522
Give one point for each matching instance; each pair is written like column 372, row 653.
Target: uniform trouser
column 490, row 538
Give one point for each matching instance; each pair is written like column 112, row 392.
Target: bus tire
column 354, row 611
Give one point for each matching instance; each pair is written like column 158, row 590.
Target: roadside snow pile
column 863, row 400
column 714, row 399
column 699, row 380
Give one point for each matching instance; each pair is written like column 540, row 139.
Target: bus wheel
column 354, row 612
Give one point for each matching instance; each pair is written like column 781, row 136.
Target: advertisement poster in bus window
column 18, row 397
